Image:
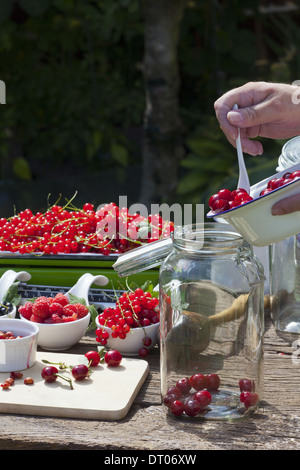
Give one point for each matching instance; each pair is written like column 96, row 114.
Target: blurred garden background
column 115, row 97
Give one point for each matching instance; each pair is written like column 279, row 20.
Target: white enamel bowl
column 20, row 353
column 254, row 220
column 130, row 345
column 61, row 336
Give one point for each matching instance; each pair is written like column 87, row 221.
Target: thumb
column 251, row 116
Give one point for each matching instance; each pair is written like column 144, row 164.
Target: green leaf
column 94, row 313
column 11, row 295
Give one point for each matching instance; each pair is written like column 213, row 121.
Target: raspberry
column 56, row 307
column 41, row 307
column 54, row 318
column 35, row 318
column 26, row 310
column 61, row 299
column 69, row 318
column 81, row 309
column 69, row 310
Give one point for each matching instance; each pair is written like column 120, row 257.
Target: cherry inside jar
column 212, row 323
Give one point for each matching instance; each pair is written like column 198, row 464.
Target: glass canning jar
column 211, row 324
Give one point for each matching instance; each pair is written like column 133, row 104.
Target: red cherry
column 226, row 194
column 80, row 372
column 221, row 205
column 295, row 174
column 113, row 358
column 177, row 407
column 247, row 385
column 93, row 357
column 192, row 407
column 197, row 381
column 49, row 374
column 212, row 200
column 212, row 382
column 203, row 397
column 249, row 399
column 265, row 191
column 184, row 385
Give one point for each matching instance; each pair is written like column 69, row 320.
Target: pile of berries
column 6, row 308
column 132, row 310
column 56, row 309
column 192, row 395
column 63, row 230
column 225, row 199
column 9, row 335
column 278, row 182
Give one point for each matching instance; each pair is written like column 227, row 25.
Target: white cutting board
column 108, row 394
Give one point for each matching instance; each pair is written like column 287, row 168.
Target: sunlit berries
column 225, row 200
column 68, row 230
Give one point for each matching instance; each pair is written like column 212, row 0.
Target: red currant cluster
column 71, row 230
column 133, row 310
column 51, row 310
column 282, row 181
column 192, row 395
column 225, row 199
column 126, row 230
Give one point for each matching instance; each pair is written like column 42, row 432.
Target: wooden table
column 146, row 427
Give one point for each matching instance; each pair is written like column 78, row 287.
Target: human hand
column 287, row 205
column 269, row 110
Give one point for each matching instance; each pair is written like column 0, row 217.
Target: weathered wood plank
column 146, row 427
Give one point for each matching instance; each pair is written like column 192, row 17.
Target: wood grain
column 276, row 426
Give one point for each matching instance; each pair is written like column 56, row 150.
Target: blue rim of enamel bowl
column 258, row 198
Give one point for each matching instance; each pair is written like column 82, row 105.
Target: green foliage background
column 73, row 72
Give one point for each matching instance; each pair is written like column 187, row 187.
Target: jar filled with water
column 211, row 324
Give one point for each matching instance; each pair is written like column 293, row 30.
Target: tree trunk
column 163, row 147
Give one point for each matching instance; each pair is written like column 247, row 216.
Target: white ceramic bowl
column 11, row 314
column 60, row 336
column 254, row 220
column 20, row 353
column 130, row 345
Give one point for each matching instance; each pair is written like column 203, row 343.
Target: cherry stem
column 61, row 365
column 67, row 380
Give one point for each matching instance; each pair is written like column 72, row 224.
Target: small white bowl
column 61, row 336
column 11, row 314
column 20, row 353
column 254, row 219
column 130, row 345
